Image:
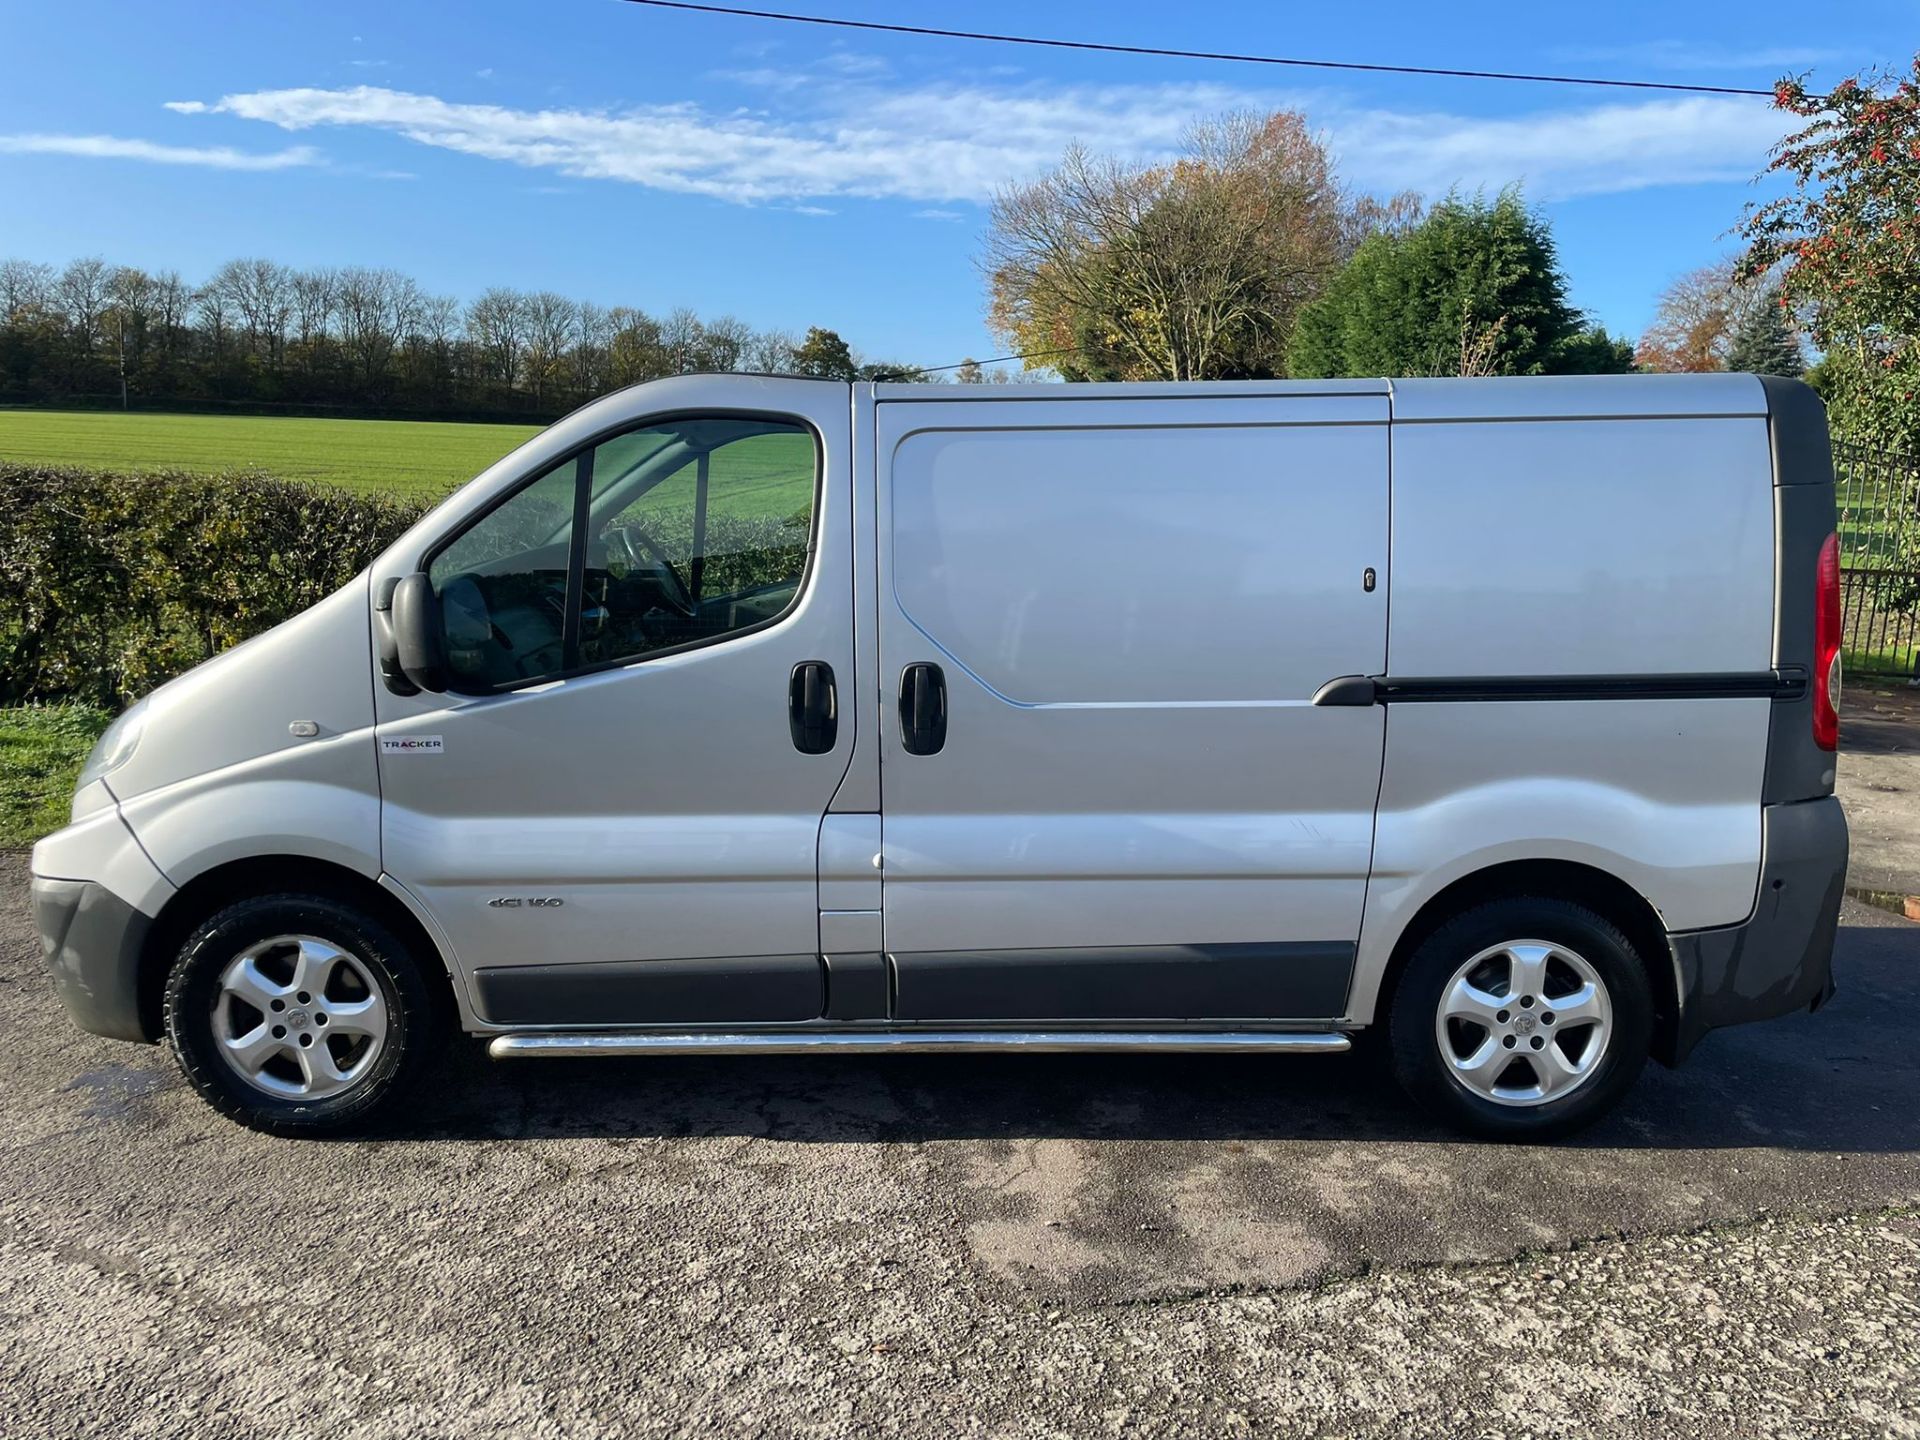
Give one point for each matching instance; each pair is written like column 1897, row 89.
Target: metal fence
column 1878, row 495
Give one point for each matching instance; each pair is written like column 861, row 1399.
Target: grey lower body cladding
column 1781, row 959
column 753, row 989
column 92, row 941
column 1158, row 983
column 1305, row 981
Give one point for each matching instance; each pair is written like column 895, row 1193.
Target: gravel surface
column 1048, row 1245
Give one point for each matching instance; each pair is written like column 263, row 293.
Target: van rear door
column 1106, row 792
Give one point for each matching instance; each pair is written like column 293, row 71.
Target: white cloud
column 1560, row 154
column 112, row 147
column 942, row 144
column 849, row 62
column 937, row 214
column 1766, row 62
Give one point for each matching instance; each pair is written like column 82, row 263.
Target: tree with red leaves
column 1843, row 245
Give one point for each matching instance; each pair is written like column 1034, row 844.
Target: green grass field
column 41, row 750
column 760, row 476
column 418, row 458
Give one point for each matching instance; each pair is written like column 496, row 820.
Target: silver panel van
column 734, row 713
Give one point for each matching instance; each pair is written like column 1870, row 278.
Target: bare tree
column 313, row 296
column 680, row 337
column 769, row 352
column 214, row 319
column 497, row 326
column 80, row 295
column 26, row 290
column 1695, row 324
column 723, row 344
column 172, row 302
column 1479, row 352
column 263, row 332
column 432, row 333
column 636, row 350
column 592, row 343
column 259, row 295
column 550, row 320
column 128, row 321
column 376, row 307
column 1183, row 271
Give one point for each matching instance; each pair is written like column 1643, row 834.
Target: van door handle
column 923, row 709
column 1348, row 690
column 813, row 707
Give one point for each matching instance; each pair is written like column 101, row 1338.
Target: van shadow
column 1844, row 1080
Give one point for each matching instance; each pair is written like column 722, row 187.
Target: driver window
column 695, row 530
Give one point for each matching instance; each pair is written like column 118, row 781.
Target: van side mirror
column 419, row 640
column 386, row 648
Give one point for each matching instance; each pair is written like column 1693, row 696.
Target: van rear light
column 1826, row 647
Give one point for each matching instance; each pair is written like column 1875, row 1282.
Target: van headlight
column 116, row 747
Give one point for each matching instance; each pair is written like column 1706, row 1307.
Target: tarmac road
column 1060, row 1245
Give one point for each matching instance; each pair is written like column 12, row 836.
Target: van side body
column 1109, row 716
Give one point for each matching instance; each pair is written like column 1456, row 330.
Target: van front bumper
column 1781, row 958
column 92, row 940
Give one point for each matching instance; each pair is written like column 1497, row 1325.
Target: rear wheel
column 1524, row 1018
column 297, row 1014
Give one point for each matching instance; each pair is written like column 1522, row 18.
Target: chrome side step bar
column 915, row 1042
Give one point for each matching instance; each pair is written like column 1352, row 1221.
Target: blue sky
column 794, row 176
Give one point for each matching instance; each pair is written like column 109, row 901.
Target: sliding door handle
column 923, row 709
column 813, row 707
column 1348, row 690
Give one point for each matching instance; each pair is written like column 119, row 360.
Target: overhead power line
column 907, row 372
column 996, row 360
column 1155, row 50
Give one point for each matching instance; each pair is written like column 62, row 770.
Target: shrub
column 111, row 584
column 742, row 551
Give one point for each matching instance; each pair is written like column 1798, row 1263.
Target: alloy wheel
column 299, row 1018
column 1524, row 1022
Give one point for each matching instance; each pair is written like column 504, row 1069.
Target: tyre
column 298, row 1014
column 1521, row 1019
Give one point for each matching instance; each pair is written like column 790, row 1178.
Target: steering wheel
column 634, row 546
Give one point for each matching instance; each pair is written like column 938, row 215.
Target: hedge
column 111, row 584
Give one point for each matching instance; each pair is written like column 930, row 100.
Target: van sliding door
column 1106, row 794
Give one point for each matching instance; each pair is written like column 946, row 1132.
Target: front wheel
column 1521, row 1019
column 297, row 1014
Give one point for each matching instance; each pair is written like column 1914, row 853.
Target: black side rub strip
column 1784, row 684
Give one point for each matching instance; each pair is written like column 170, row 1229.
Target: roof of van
column 1532, row 397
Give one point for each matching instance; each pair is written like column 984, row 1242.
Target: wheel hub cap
column 299, row 1018
column 1524, row 1022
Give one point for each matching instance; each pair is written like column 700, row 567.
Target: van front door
column 613, row 814
column 1106, row 793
